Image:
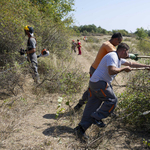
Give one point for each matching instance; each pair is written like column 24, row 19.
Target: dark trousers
column 33, row 60
column 101, row 102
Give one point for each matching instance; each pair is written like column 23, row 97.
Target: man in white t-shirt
column 101, row 90
column 107, row 46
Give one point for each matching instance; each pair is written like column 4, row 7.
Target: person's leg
column 110, row 102
column 82, row 101
column 92, row 105
column 75, row 49
column 33, row 59
column 79, row 49
column 84, row 98
column 72, row 48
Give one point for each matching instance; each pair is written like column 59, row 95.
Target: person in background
column 79, row 47
column 100, row 89
column 73, row 47
column 106, row 47
column 85, row 38
column 31, row 51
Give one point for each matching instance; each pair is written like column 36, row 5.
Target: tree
column 123, row 32
column 99, row 30
column 57, row 9
column 141, row 33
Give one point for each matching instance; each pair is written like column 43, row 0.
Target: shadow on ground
column 4, row 95
column 58, row 131
column 50, row 116
column 53, row 116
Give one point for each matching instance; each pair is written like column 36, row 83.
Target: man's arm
column 31, row 51
column 112, row 70
column 135, row 65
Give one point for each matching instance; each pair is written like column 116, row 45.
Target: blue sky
column 113, row 14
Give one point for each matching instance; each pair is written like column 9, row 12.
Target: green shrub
column 50, row 34
column 66, row 82
column 136, row 100
column 144, row 46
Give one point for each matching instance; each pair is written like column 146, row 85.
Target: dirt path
column 86, row 59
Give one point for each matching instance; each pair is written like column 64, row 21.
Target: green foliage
column 123, row 32
column 51, row 32
column 70, row 83
column 87, row 29
column 85, row 32
column 50, row 24
column 146, row 142
column 56, row 9
column 59, row 78
column 135, row 101
column 141, row 33
column 10, row 25
column 51, row 29
column 144, row 46
column 76, row 29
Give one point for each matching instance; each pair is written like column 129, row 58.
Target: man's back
column 102, row 73
column 104, row 49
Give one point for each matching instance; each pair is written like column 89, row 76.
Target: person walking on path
column 85, row 38
column 30, row 51
column 73, row 47
column 100, row 88
column 79, row 47
column 106, row 47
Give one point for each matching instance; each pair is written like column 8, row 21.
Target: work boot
column 99, row 123
column 77, row 107
column 80, row 133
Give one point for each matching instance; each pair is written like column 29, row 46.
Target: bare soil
column 33, row 125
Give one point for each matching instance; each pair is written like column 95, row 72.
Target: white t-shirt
column 101, row 73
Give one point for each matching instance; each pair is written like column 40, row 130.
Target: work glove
column 22, row 51
column 133, row 56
